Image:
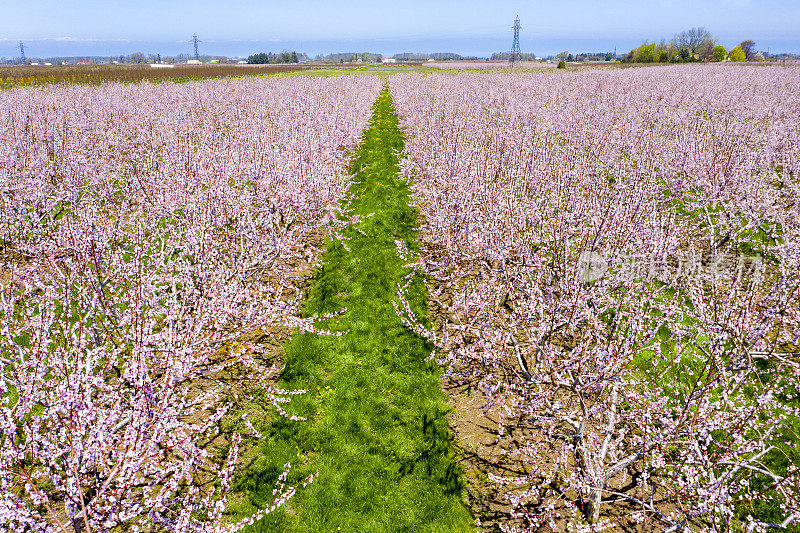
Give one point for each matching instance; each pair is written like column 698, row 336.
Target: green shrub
column 720, row 53
column 737, row 54
column 561, row 64
column 645, row 53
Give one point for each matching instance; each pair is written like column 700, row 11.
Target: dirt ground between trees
column 483, row 452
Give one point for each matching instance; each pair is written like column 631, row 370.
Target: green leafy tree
column 645, row 53
column 258, row 59
column 720, row 53
column 264, row 59
column 748, row 47
column 737, row 54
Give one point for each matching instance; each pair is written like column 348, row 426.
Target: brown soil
column 482, row 452
column 94, row 74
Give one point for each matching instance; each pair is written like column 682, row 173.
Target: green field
column 377, row 432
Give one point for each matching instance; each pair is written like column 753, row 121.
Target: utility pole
column 196, row 50
column 516, row 55
column 22, row 51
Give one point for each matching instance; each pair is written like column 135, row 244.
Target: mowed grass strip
column 377, row 432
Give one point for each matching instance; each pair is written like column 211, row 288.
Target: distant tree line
column 695, row 44
column 135, row 58
column 586, row 56
column 342, row 57
column 438, row 56
column 506, row 56
column 368, row 57
column 270, row 58
column 349, row 57
column 448, row 56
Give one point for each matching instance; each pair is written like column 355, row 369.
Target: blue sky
column 241, row 27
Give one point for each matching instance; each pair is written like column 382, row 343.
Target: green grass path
column 377, row 432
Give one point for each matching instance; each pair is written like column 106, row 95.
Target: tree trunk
column 593, row 508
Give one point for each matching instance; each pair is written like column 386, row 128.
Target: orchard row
column 612, row 256
column 615, row 257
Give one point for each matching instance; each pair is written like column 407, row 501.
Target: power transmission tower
column 516, row 55
column 196, row 50
column 22, row 51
